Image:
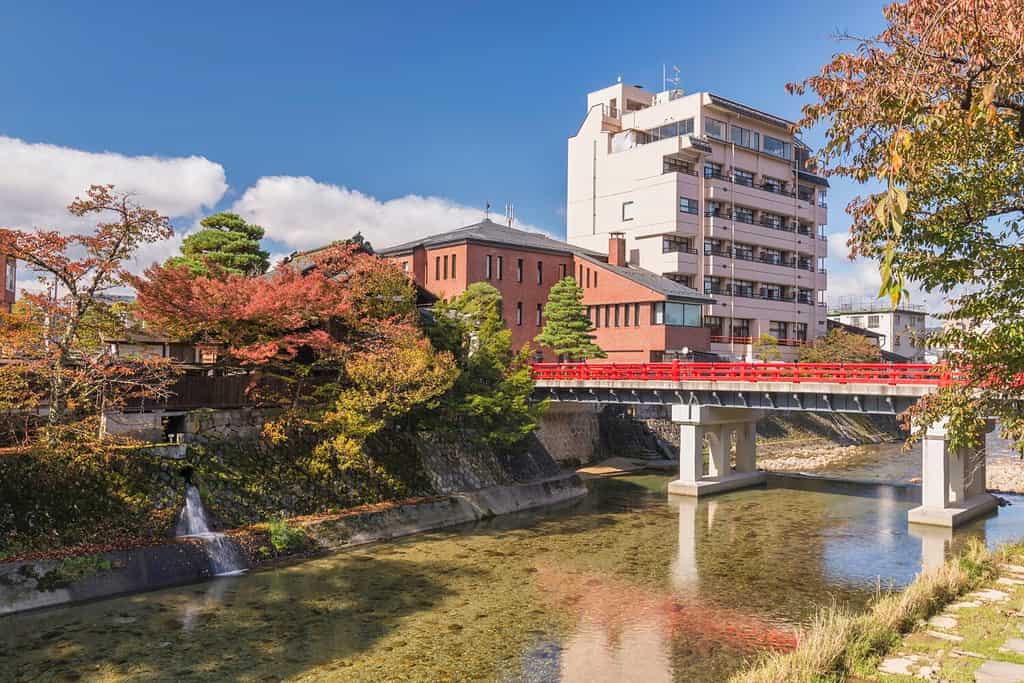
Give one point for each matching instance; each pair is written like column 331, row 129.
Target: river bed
column 626, row 585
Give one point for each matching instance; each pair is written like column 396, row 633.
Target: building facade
column 9, row 284
column 710, row 193
column 902, row 330
column 638, row 315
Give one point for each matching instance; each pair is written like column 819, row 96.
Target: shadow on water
column 267, row 626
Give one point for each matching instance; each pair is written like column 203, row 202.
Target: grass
column 838, row 643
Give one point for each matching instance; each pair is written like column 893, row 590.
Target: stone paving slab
column 943, row 621
column 1005, row 581
column 1012, row 568
column 951, row 637
column 999, row 672
column 963, row 605
column 989, row 595
column 1013, row 646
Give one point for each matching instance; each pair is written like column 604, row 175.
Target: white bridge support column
column 952, row 481
column 723, row 427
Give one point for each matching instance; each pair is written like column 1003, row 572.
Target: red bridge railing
column 834, row 373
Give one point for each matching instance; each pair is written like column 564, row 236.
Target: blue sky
column 380, row 106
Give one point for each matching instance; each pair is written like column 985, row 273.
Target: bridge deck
column 860, row 388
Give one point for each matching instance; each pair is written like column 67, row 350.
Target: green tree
column 840, row 346
column 567, row 329
column 490, row 399
column 933, row 109
column 766, row 348
column 226, row 242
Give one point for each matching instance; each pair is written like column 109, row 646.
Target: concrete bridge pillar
column 723, row 428
column 952, row 481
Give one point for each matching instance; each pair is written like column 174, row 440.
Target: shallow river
column 626, row 585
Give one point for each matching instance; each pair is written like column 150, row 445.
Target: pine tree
column 226, row 242
column 567, row 329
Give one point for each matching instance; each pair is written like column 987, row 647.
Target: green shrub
column 286, row 539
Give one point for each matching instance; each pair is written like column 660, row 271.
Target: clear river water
column 625, row 585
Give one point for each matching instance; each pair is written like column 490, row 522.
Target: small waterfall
column 225, row 559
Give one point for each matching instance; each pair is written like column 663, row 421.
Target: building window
column 595, row 315
column 687, row 205
column 446, row 266
column 636, row 315
column 627, row 211
column 658, row 313
column 453, row 266
column 822, row 197
column 487, row 267
column 608, row 315
column 873, row 322
column 800, row 331
column 437, row 267
column 773, row 220
column 540, row 313
column 712, row 170
column 683, row 315
column 773, row 184
column 562, row 270
column 744, row 252
column 578, row 280
column 519, row 313
column 741, row 177
column 674, row 243
column 595, row 278
column 778, row 148
column 745, row 137
column 540, row 272
column 519, row 270
column 714, row 323
column 857, row 321
column 588, row 277
column 625, row 315
column 617, row 315
column 897, row 340
column 740, row 327
column 670, row 130
column 714, row 128
column 743, row 214
column 501, row 266
column 777, row 329
column 405, row 266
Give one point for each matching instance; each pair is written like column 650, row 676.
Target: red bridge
column 824, row 373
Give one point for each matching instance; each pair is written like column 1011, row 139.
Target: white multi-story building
column 711, row 193
column 903, row 329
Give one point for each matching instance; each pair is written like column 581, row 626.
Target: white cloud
column 38, row 181
column 302, row 213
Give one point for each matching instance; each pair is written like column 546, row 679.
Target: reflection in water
column 627, row 585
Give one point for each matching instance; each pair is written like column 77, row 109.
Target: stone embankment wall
column 580, row 433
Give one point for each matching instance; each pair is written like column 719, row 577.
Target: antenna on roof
column 510, row 213
column 487, row 211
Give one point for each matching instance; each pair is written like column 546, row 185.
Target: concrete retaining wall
column 149, row 568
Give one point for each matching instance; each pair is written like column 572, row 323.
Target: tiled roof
column 492, row 233
column 654, row 282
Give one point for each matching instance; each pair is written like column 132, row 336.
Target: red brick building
column 638, row 315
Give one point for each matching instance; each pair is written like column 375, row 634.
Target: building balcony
column 722, row 339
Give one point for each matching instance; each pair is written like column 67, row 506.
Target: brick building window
column 519, row 313
column 617, row 315
column 437, row 268
column 562, row 268
column 453, row 266
column 625, row 315
column 540, row 272
column 636, row 314
column 501, row 266
column 588, row 277
column 540, row 313
column 519, row 270
column 487, row 267
column 446, row 266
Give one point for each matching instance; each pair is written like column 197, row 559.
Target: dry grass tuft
column 838, row 643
